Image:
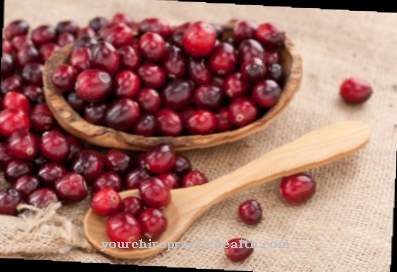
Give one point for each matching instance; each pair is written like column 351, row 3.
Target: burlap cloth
column 347, row 226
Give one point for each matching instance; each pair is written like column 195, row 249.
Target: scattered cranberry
column 42, row 198
column 44, row 34
column 12, row 120
column 149, row 100
column 298, row 188
column 118, row 34
column 123, row 227
column 23, row 145
column 145, row 126
column 170, row 179
column 152, row 75
column 11, row 84
column 26, row 185
column 106, row 202
column 182, row 165
column 177, row 94
column 89, row 164
column 122, row 18
column 67, row 26
column 98, row 23
column 34, row 94
column 194, row 178
column 250, row 212
column 132, row 205
column 64, row 77
column 134, row 178
column 86, row 32
column 108, row 180
column 16, row 169
column 47, row 51
column 238, row 249
column 27, row 54
column 5, row 155
column 50, row 172
column 355, row 90
column 16, row 101
column 160, row 158
column 10, row 198
column 154, row 193
column 54, row 146
column 153, row 222
column 199, row 39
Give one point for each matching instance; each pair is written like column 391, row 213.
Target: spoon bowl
column 315, row 149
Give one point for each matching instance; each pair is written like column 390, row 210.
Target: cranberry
column 187, row 113
column 122, row 18
column 41, row 107
column 122, row 114
column 80, row 59
column 123, row 227
column 12, row 120
column 44, row 34
column 271, row 57
column 6, row 46
column 223, row 120
column 151, row 75
column 160, row 158
column 11, row 84
column 253, row 69
column 76, row 102
column 238, row 249
column 71, row 188
column 177, row 34
column 199, row 39
column 15, row 28
column 249, row 49
column 155, row 25
column 244, row 30
column 194, row 178
column 118, row 161
column 182, row 165
column 236, row 86
column 5, row 155
column 266, row 93
column 25, row 55
column 153, row 222
column 86, row 31
column 95, row 113
column 177, row 94
column 168, row 123
column 223, row 59
column 106, row 202
column 271, row 35
column 250, row 212
column 118, row 34
column 67, row 26
column 297, row 188
column 108, row 180
column 134, row 178
column 23, row 145
column 98, row 23
column 26, row 185
column 152, row 46
column 93, row 85
column 199, row 71
column 50, row 172
column 145, row 126
column 130, row 58
column 54, row 146
column 132, row 205
column 126, row 84
column 16, row 169
column 275, row 71
column 42, row 198
column 64, row 77
column 10, row 198
column 84, row 41
column 209, row 97
column 89, row 164
column 16, row 101
column 65, row 39
column 148, row 100
column 170, row 179
column 105, row 58
column 201, row 122
column 21, row 41
column 243, row 111
column 47, row 50
column 75, row 146
column 42, row 121
column 355, row 90
column 175, row 62
column 34, row 94
column 154, row 193
column 7, row 65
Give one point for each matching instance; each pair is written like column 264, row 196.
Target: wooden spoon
column 317, row 148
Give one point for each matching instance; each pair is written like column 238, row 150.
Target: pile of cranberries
column 152, row 79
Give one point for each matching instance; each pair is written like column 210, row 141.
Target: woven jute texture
column 346, row 226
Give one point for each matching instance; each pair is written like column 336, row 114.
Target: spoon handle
column 312, row 150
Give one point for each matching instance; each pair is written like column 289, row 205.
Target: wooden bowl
column 110, row 138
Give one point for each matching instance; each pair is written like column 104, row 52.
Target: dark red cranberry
column 75, row 146
column 122, row 114
column 187, row 112
column 15, row 28
column 44, row 34
column 86, row 31
column 42, row 121
column 95, row 113
column 218, row 81
column 253, row 69
column 154, row 193
column 6, row 46
column 71, row 188
column 223, row 120
column 130, row 58
column 12, row 120
column 11, row 84
column 108, row 180
column 126, row 84
column 209, row 97
column 177, row 34
column 175, row 62
column 21, row 41
column 236, row 86
column 199, row 71
column 152, row 46
column 64, row 77
column 16, row 101
column 177, row 94
column 238, row 249
column 271, row 56
column 76, row 102
column 249, row 49
column 250, row 212
column 160, row 158
column 7, row 65
column 10, row 198
column 32, row 74
column 93, row 85
column 42, row 198
column 168, row 123
column 132, row 205
column 134, row 178
column 271, row 35
column 145, row 126
column 153, row 222
column 223, row 59
column 118, row 161
column 65, row 39
column 84, row 41
column 243, row 111
column 80, row 59
column 266, row 93
column 355, row 90
column 54, row 146
column 123, row 227
column 67, row 26
column 16, row 169
column 5, row 155
column 106, row 202
column 89, row 164
column 275, row 72
column 155, row 25
column 122, row 18
column 194, row 178
column 50, row 172
column 98, row 23
column 298, row 188
column 202, row 122
column 105, row 58
column 199, row 39
column 148, row 100
column 23, row 145
column 25, row 55
column 182, row 166
column 41, row 107
column 34, row 94
column 151, row 75
column 244, row 30
column 118, row 34
column 170, row 179
column 26, row 185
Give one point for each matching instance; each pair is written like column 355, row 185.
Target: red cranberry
column 151, row 75
column 160, row 158
column 12, row 120
column 7, row 65
column 118, row 34
column 108, row 180
column 187, row 113
column 236, row 86
column 42, row 198
column 177, row 34
column 26, row 185
column 154, row 193
column 199, row 71
column 170, row 179
column 41, row 107
column 47, row 50
column 6, row 46
column 130, row 58
column 11, row 84
column 123, row 227
column 84, row 41
column 98, row 23
column 201, row 122
column 50, row 172
column 271, row 35
column 76, row 102
column 175, row 62
column 177, row 94
column 71, row 188
column 65, row 39
column 15, row 28
column 168, row 123
column 199, row 39
column 80, row 59
column 275, row 72
column 223, row 59
column 86, row 31
column 67, row 26
column 238, row 249
column 145, row 126
column 106, row 202
column 152, row 46
column 44, row 34
column 253, row 69
column 16, row 169
column 16, row 101
column 89, row 164
column 34, row 94
column 266, row 93
column 209, row 97
column 355, row 90
column 148, row 100
column 23, row 145
column 271, row 56
column 243, row 111
column 182, row 166
column 42, row 121
column 54, row 146
column 10, row 198
column 118, row 161
column 105, row 58
column 132, row 205
column 25, row 55
column 297, row 188
column 133, row 179
column 122, row 18
column 95, row 113
column 126, row 84
column 223, row 120
column 153, row 222
column 249, row 49
column 194, row 178
column 93, row 85
column 75, row 146
column 64, row 77
column 21, row 41
column 5, row 155
column 122, row 114
column 250, row 212
column 244, row 30
column 155, row 25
